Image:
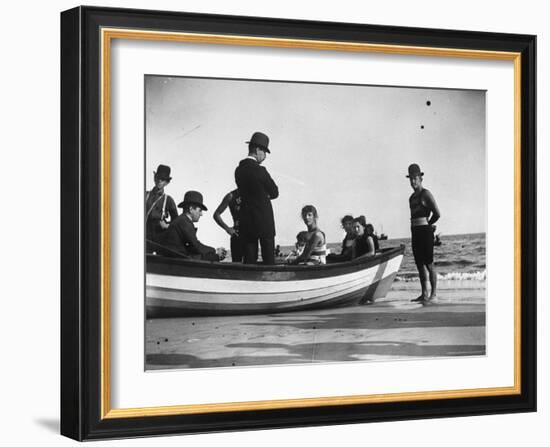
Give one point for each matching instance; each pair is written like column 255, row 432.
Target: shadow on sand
column 313, row 353
column 296, row 340
column 378, row 320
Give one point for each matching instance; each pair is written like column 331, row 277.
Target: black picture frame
column 82, row 392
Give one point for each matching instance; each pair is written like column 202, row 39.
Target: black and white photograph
column 298, row 223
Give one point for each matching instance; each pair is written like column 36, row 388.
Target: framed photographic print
column 273, row 223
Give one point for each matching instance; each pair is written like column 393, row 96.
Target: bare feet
column 432, row 298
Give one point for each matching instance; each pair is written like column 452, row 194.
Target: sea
column 460, row 257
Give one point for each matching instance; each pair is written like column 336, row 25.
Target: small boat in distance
column 177, row 287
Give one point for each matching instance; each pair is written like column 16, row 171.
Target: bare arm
column 432, row 205
column 370, row 246
column 316, row 239
column 218, row 214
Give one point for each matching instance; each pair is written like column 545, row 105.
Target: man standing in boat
column 160, row 208
column 231, row 200
column 181, row 235
column 424, row 214
column 257, row 189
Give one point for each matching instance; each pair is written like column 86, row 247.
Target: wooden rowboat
column 182, row 287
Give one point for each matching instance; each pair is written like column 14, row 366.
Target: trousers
column 267, row 246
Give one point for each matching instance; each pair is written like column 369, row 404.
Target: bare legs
column 427, row 274
column 433, row 280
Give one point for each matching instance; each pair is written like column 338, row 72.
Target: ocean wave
column 450, row 276
column 460, row 262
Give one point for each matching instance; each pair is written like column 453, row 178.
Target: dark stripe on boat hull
column 172, row 309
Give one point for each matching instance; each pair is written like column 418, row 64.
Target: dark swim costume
column 417, row 207
column 423, row 244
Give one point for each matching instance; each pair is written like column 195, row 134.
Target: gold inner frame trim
column 107, row 35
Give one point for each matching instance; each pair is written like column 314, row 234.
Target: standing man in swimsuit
column 424, row 214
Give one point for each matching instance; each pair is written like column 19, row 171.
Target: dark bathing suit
column 235, row 241
column 422, row 240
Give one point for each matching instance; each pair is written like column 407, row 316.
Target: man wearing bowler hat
column 424, row 214
column 257, row 190
column 181, row 237
column 160, row 208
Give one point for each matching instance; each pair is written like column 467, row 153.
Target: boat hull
column 176, row 288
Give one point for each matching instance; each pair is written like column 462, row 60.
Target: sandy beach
column 392, row 328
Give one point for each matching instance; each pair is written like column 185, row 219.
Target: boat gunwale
column 367, row 261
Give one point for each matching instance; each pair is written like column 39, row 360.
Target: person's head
column 162, row 176
column 415, row 176
column 193, row 211
column 301, row 239
column 359, row 225
column 309, row 215
column 347, row 223
column 258, row 153
column 193, row 205
column 258, row 146
column 369, row 229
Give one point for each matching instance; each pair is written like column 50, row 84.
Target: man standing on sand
column 257, row 189
column 424, row 214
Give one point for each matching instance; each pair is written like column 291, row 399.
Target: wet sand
column 392, row 328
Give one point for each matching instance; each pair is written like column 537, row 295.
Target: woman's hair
column 361, row 220
column 309, row 209
column 346, row 218
column 369, row 228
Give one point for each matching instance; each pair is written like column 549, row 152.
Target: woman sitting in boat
column 315, row 249
column 364, row 245
column 347, row 244
column 369, row 229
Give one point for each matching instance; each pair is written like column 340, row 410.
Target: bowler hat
column 414, row 170
column 192, row 198
column 163, row 172
column 261, row 140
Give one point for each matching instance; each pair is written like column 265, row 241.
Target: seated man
column 181, row 238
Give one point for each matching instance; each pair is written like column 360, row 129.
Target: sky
column 343, row 148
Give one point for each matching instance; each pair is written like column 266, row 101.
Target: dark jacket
column 257, row 189
column 181, row 237
column 158, row 206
